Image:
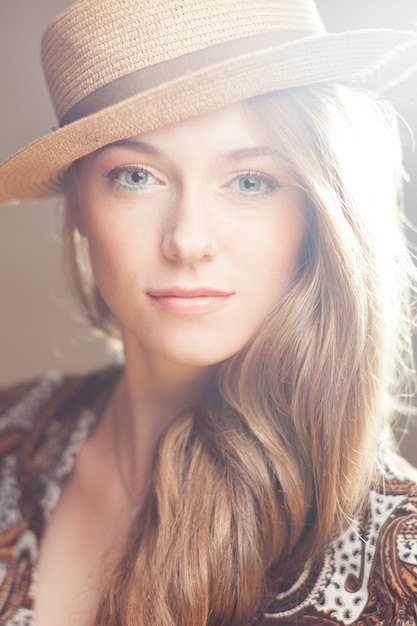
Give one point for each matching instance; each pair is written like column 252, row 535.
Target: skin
column 194, row 233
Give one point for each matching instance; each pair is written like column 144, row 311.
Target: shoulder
column 43, row 425
column 368, row 575
column 28, row 408
column 20, row 404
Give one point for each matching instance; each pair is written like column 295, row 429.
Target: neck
column 150, row 395
column 157, row 390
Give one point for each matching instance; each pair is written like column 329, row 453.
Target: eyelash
column 271, row 184
column 126, row 169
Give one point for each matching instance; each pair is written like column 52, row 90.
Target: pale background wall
column 40, row 328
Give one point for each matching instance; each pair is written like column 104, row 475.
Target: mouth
column 189, row 300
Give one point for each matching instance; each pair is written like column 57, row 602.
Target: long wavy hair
column 281, row 452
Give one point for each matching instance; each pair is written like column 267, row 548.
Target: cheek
column 276, row 252
column 109, row 246
column 113, row 232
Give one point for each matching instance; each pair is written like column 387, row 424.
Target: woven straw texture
column 76, row 46
column 96, row 43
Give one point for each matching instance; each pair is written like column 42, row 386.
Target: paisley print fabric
column 368, row 575
column 43, row 425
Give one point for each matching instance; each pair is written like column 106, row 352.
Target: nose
column 189, row 232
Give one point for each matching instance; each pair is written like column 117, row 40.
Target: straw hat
column 117, row 68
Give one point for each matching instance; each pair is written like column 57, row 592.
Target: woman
column 231, row 193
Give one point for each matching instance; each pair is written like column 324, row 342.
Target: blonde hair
column 282, row 450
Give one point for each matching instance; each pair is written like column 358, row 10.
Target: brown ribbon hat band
column 117, row 69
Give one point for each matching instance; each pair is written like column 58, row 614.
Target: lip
column 189, row 300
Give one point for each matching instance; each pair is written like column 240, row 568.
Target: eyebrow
column 233, row 155
column 139, row 146
column 250, row 151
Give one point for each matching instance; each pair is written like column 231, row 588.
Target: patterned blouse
column 368, row 576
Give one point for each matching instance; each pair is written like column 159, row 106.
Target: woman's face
column 194, row 232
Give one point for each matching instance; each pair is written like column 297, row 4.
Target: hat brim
column 373, row 59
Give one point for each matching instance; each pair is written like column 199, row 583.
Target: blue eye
column 138, row 177
column 254, row 185
column 250, row 184
column 132, row 178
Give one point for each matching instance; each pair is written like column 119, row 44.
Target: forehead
column 234, row 132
